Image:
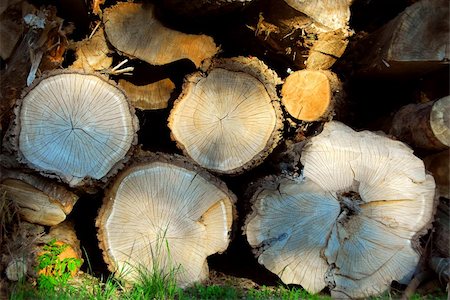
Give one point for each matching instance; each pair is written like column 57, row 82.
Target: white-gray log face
column 164, row 217
column 351, row 222
column 225, row 121
column 76, row 126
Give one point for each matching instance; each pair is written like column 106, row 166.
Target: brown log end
column 75, row 126
column 310, row 95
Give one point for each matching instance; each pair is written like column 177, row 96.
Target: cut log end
column 310, row 95
column 333, row 14
column 229, row 119
column 164, row 215
column 425, row 125
column 351, row 221
column 75, row 126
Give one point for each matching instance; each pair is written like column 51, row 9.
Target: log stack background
column 381, row 66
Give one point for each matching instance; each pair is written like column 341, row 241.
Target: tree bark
column 152, row 41
column 442, row 228
column 438, row 164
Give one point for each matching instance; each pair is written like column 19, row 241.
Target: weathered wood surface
column 296, row 36
column 154, row 95
column 74, row 126
column 309, row 95
column 134, row 30
column 228, row 119
column 39, row 200
column 372, row 199
column 413, row 43
column 425, row 125
column 164, row 214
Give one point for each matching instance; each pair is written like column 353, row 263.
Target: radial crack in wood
column 351, row 221
column 92, row 53
column 334, row 14
column 76, row 126
column 228, row 119
column 167, row 216
column 133, row 29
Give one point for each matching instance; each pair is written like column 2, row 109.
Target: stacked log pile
column 194, row 132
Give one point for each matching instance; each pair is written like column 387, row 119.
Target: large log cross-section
column 74, row 126
column 351, row 222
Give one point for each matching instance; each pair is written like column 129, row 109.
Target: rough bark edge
column 413, row 124
column 270, row 182
column 253, row 67
column 12, row 136
column 154, row 7
column 145, row 158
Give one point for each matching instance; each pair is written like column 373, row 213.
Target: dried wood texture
column 16, row 269
column 228, row 119
column 151, row 96
column 424, row 126
column 333, row 14
column 195, row 8
column 351, row 220
column 164, row 215
column 92, row 53
column 76, row 126
column 326, row 50
column 290, row 33
column 10, row 33
column 438, row 164
column 133, row 29
column 311, row 95
column 442, row 228
column 414, row 42
column 35, row 206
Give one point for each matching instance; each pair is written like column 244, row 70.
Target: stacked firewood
column 339, row 207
